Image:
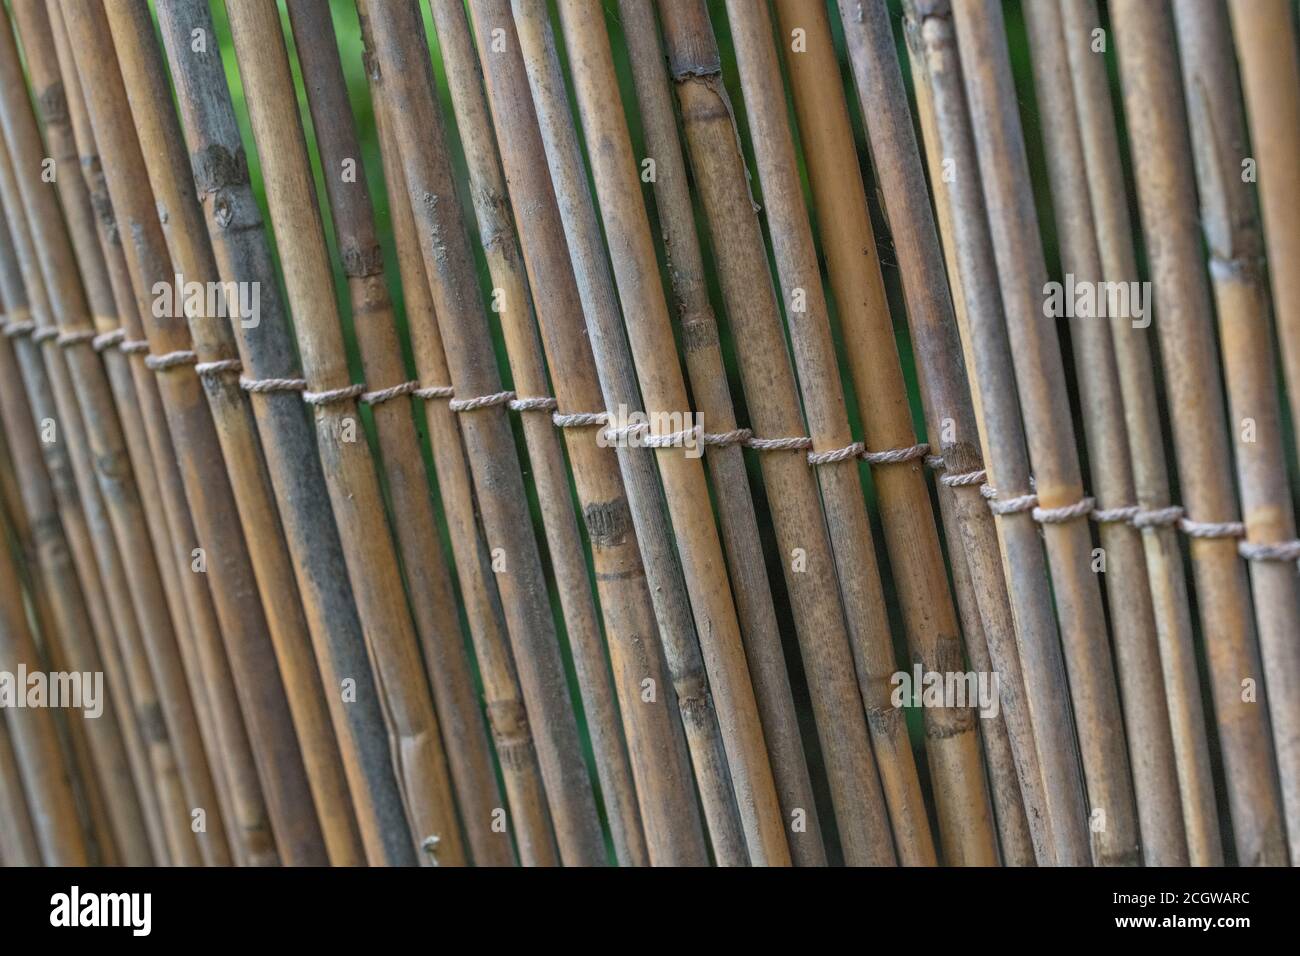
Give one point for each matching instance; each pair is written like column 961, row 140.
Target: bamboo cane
column 739, row 524
column 298, row 705
column 589, row 271
column 989, row 366
column 18, row 845
column 267, row 352
column 650, row 335
column 401, row 52
column 35, row 738
column 1232, row 232
column 1266, row 38
column 630, row 581
column 773, row 400
column 1049, row 429
column 428, row 580
column 350, row 474
column 1166, row 200
column 1092, row 98
column 1151, row 750
column 274, row 811
column 92, row 532
column 951, row 423
column 528, row 371
column 503, row 697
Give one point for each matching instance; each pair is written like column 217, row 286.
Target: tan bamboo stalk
column 546, row 455
column 355, row 494
column 54, row 399
column 1151, row 749
column 1266, row 38
column 44, row 774
column 402, row 53
column 630, row 580
column 276, row 820
column 18, row 845
column 772, row 397
column 575, row 259
column 295, row 703
column 1040, row 383
column 502, row 695
column 433, row 600
column 235, row 227
column 1092, row 100
column 645, row 313
column 989, row 367
column 1015, row 777
column 1236, row 247
column 736, row 516
column 1166, row 200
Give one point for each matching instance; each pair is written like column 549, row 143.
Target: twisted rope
column 482, row 401
column 385, row 394
column 332, row 395
column 67, row 339
column 158, row 363
column 219, row 366
column 109, row 339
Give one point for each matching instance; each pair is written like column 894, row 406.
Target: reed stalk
column 18, row 844
column 1168, row 207
column 401, row 51
column 649, row 332
column 619, row 390
column 242, row 253
column 639, row 586
column 545, row 451
column 1128, row 592
column 989, row 365
column 773, row 400
column 419, row 758
column 1092, row 100
column 1236, row 247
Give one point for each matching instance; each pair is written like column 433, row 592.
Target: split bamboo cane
column 1166, row 200
column 1049, row 428
column 989, row 366
column 243, row 255
column 18, row 845
column 1092, row 99
column 429, row 586
column 162, row 716
column 299, row 704
column 1236, row 247
column 528, row 371
column 279, row 822
column 1151, row 749
column 354, row 490
column 503, row 697
column 630, row 580
column 587, row 269
column 771, row 393
column 736, row 515
column 402, row 53
column 951, row 418
column 647, row 325
column 40, row 760
column 1266, row 38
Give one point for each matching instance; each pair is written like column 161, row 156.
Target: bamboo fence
column 692, row 432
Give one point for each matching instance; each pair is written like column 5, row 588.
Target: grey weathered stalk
column 1167, row 203
column 18, row 844
column 633, row 582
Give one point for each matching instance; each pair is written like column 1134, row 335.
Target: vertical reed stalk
column 773, row 399
column 1092, row 100
column 1167, row 202
column 18, row 844
column 1151, row 749
column 1232, row 232
column 243, row 255
column 401, row 50
column 618, row 385
column 989, row 366
column 739, row 524
column 629, row 578
column 355, row 494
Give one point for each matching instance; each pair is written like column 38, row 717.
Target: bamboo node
column 534, row 405
column 481, row 401
column 159, row 363
column 896, row 456
column 15, row 329
column 106, row 341
column 273, row 384
column 332, row 395
column 384, row 394
column 66, row 339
